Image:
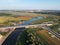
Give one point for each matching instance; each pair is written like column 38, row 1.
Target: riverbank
column 12, row 38
column 5, row 37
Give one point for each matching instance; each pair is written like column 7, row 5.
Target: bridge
column 20, row 26
column 44, row 26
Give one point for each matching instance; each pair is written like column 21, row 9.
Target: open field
column 23, row 15
column 6, row 18
column 48, row 38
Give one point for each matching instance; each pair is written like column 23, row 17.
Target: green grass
column 41, row 21
column 55, row 28
column 3, row 33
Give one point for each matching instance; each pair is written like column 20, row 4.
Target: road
column 52, row 31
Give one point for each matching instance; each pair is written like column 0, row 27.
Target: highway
column 52, row 31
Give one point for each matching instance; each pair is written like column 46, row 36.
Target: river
column 12, row 38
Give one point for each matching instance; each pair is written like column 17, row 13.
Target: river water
column 12, row 38
column 31, row 20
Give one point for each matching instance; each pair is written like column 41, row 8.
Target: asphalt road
column 52, row 31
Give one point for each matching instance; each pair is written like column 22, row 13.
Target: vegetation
column 5, row 14
column 55, row 19
column 5, row 20
column 30, row 37
column 3, row 33
column 55, row 28
column 49, row 12
column 47, row 19
column 48, row 37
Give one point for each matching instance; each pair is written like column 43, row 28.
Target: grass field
column 6, row 18
column 48, row 38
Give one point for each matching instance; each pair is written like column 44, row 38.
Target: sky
column 29, row 4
